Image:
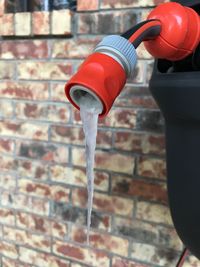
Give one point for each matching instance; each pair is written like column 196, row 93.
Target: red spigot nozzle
column 180, row 33
column 100, row 76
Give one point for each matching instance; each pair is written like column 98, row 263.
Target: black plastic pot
column 178, row 96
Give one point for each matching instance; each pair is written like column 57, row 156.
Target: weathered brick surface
column 74, row 135
column 106, row 22
column 152, row 167
column 24, row 90
column 24, row 130
column 41, row 23
column 77, row 177
column 23, row 49
column 105, row 203
column 55, row 192
column 46, row 152
column 78, row 216
column 61, row 22
column 24, row 238
column 153, row 213
column 119, row 262
column 147, row 232
column 25, row 202
column 32, row 169
column 7, row 25
column 7, row 70
column 43, row 195
column 86, row 6
column 43, row 112
column 140, row 142
column 44, row 70
column 77, row 48
column 7, row 216
column 40, row 259
column 87, row 256
column 23, row 24
column 107, row 242
column 142, row 189
column 115, row 162
column 7, row 145
column 154, row 255
column 58, row 92
column 8, row 250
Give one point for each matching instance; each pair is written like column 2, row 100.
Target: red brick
column 7, row 146
column 102, row 202
column 106, row 242
column 7, row 109
column 8, row 250
column 2, row 7
column 35, row 223
column 86, row 256
column 53, row 192
column 78, row 216
column 153, row 255
column 24, row 90
column 106, row 161
column 7, row 163
column 61, row 22
column 58, row 93
column 24, row 130
column 135, row 96
column 24, row 238
column 86, row 6
column 25, row 202
column 153, row 213
column 8, row 182
column 148, row 233
column 59, row 230
column 7, row 216
column 41, row 23
column 44, row 112
column 140, row 142
column 41, row 151
column 41, row 259
column 7, row 25
column 74, row 135
column 32, row 169
column 123, row 118
column 23, row 24
column 87, row 23
column 77, row 177
column 129, row 3
column 25, row 49
column 13, row 263
column 44, row 70
column 137, row 188
column 152, row 167
column 7, row 70
column 119, row 262
column 77, row 48
column 109, row 22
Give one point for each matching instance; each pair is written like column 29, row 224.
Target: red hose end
column 101, row 75
column 180, row 32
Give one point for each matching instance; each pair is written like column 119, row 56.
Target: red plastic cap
column 102, row 75
column 180, row 32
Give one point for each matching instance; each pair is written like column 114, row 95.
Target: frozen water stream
column 89, row 110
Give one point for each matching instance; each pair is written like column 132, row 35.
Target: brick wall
column 42, row 182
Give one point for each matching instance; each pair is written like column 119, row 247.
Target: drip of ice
column 90, row 110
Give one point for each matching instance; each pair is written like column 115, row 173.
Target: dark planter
column 178, row 96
